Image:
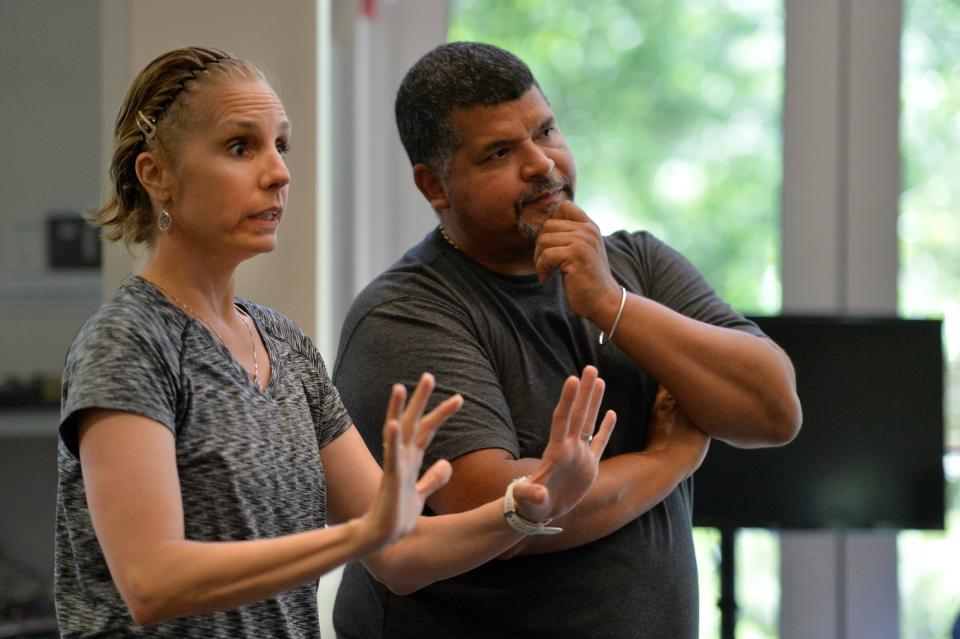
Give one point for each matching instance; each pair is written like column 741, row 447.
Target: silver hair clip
column 146, row 125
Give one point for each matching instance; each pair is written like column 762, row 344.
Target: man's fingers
column 568, row 210
column 562, row 236
column 556, row 248
column 548, row 259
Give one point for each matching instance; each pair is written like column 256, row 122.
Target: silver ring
column 586, row 437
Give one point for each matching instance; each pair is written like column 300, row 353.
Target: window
column 929, row 286
column 672, row 109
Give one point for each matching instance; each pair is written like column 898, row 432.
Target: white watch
column 519, row 523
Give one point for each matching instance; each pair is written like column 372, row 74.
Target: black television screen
column 870, row 452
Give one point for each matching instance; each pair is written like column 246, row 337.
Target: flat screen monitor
column 870, row 451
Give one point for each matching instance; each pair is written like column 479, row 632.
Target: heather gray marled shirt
column 248, row 460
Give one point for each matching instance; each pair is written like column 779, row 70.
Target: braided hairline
column 155, row 112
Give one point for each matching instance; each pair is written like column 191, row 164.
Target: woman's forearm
column 185, row 577
column 443, row 546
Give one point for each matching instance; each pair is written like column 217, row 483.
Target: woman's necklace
column 200, row 318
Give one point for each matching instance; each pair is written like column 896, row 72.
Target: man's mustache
column 544, row 186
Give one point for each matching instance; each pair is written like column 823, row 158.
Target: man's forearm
column 628, row 486
column 732, row 385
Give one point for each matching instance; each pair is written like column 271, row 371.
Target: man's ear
column 153, row 175
column 431, row 185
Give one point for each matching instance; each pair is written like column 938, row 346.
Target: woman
column 203, row 448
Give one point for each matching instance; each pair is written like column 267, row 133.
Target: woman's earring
column 164, row 221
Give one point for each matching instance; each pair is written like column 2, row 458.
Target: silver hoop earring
column 164, row 221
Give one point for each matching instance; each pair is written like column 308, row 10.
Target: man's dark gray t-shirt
column 248, row 461
column 507, row 344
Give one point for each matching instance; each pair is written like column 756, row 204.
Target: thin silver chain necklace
column 200, row 318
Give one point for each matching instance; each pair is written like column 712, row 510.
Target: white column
column 873, row 168
column 841, row 194
column 391, row 215
column 377, row 212
column 814, row 181
column 282, row 39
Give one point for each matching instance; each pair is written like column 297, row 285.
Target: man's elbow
column 395, row 575
column 401, row 582
column 785, row 422
column 404, row 587
column 779, row 426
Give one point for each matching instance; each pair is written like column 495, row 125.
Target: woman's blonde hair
column 153, row 117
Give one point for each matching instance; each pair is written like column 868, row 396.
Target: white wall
column 50, row 127
column 50, row 103
column 378, row 211
column 281, row 38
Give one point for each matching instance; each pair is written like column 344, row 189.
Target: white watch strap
column 519, row 523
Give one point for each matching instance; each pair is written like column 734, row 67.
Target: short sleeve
column 334, row 417
column 119, row 361
column 669, row 278
column 397, row 341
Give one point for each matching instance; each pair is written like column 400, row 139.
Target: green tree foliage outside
column 929, row 230
column 672, row 109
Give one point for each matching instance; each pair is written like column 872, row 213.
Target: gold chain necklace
column 200, row 318
column 443, row 232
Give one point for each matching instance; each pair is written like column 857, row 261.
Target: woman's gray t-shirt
column 248, row 460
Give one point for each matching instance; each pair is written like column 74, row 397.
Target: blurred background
column 802, row 153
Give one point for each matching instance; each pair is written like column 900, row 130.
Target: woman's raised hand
column 571, row 460
column 406, row 434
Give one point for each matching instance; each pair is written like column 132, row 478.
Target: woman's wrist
column 516, row 520
column 368, row 537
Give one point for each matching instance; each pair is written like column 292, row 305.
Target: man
column 514, row 291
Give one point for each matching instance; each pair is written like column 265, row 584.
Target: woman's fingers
column 602, row 438
column 530, row 493
column 561, row 414
column 391, row 446
column 414, row 411
column 577, row 408
column 434, row 479
column 435, row 419
column 593, row 409
column 581, row 403
column 398, row 395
